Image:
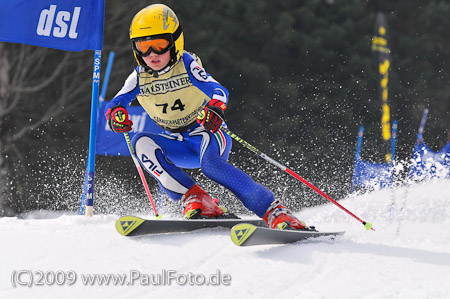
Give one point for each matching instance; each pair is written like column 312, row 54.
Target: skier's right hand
column 118, row 120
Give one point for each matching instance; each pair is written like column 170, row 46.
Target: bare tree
column 42, row 87
column 36, row 85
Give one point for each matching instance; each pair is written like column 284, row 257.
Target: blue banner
column 427, row 164
column 373, row 175
column 60, row 24
column 113, row 144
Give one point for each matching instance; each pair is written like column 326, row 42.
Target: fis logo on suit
column 58, row 23
column 199, row 73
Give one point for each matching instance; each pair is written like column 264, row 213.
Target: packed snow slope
column 407, row 256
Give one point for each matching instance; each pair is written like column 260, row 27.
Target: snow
column 407, row 256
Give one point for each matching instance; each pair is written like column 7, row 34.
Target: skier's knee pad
column 152, row 158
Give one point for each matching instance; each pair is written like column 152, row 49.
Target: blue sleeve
column 128, row 92
column 204, row 81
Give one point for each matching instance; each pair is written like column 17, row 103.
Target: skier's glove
column 118, row 120
column 212, row 116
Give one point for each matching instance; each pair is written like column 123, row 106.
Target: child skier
column 173, row 88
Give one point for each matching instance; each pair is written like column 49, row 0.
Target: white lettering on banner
column 139, row 122
column 62, row 20
column 97, row 61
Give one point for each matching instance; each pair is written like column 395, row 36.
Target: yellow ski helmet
column 156, row 22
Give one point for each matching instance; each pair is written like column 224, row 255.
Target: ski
column 246, row 234
column 135, row 226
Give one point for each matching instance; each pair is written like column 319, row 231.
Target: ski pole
column 141, row 173
column 247, row 145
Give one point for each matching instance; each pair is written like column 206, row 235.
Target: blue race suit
column 173, row 99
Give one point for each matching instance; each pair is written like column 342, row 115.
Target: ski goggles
column 157, row 44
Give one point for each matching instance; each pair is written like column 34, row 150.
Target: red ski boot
column 197, row 203
column 279, row 217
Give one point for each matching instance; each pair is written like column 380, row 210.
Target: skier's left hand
column 212, row 116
